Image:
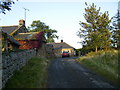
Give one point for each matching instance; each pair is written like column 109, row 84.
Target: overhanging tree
column 6, row 5
column 38, row 26
column 96, row 29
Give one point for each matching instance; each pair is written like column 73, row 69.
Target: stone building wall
column 50, row 51
column 14, row 61
column 41, row 51
column 58, row 52
column 46, row 51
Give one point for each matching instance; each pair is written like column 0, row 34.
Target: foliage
column 77, row 51
column 33, row 75
column 38, row 26
column 5, row 5
column 95, row 30
column 103, row 62
column 116, row 30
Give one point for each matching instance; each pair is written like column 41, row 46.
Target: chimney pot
column 22, row 22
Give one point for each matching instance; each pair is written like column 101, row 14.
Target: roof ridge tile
column 10, row 26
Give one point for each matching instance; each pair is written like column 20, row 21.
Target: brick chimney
column 22, row 22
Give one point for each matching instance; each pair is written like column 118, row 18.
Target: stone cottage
column 59, row 48
column 28, row 40
column 15, row 29
column 9, row 32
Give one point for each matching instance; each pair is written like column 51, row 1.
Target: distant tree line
column 97, row 32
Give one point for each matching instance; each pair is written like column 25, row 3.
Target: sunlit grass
column 103, row 62
column 33, row 75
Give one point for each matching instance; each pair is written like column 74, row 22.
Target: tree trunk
column 96, row 49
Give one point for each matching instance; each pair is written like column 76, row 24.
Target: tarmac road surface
column 67, row 73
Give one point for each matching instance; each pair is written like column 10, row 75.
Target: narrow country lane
column 66, row 73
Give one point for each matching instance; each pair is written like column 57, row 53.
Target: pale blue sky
column 62, row 16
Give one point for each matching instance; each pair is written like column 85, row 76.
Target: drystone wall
column 14, row 61
column 0, row 59
column 0, row 70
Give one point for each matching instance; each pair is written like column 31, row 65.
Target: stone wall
column 14, row 61
column 0, row 59
column 41, row 51
column 0, row 69
column 50, row 51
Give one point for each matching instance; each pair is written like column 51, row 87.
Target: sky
column 61, row 15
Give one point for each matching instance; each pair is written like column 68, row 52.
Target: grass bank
column 104, row 63
column 33, row 75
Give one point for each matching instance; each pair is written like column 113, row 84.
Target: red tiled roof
column 29, row 44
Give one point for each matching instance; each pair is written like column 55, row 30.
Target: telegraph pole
column 25, row 13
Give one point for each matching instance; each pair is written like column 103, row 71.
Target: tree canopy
column 116, row 30
column 96, row 29
column 38, row 26
column 5, row 5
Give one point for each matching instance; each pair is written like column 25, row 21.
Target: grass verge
column 32, row 75
column 104, row 63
